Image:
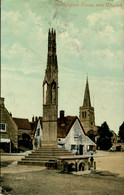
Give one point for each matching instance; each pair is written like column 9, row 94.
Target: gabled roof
column 41, row 118
column 34, row 124
column 22, row 123
column 63, row 127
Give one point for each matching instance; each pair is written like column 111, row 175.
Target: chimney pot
column 1, row 101
column 33, row 119
column 62, row 114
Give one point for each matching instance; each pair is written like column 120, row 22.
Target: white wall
column 77, row 137
column 38, row 138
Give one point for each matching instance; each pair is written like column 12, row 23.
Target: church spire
column 87, row 102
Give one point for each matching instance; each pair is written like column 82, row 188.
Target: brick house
column 8, row 130
column 14, row 132
column 24, row 133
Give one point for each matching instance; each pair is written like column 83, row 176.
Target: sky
column 90, row 42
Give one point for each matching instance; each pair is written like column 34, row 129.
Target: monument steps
column 49, row 149
column 39, row 159
column 48, row 153
column 45, row 156
column 33, row 163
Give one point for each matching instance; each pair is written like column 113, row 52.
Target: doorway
column 80, row 149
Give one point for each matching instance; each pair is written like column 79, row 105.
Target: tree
column 91, row 135
column 121, row 132
column 104, row 140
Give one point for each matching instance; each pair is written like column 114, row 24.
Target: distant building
column 8, row 130
column 24, row 133
column 14, row 132
column 86, row 112
column 115, row 138
column 37, row 132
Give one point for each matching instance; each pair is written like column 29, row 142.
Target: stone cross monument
column 50, row 94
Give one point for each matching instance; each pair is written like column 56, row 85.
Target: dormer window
column 2, row 127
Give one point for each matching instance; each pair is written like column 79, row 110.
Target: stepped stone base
column 49, row 144
column 45, row 156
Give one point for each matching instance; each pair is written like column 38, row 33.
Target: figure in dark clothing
column 91, row 160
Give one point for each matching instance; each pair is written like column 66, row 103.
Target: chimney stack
column 33, row 119
column 1, row 102
column 62, row 113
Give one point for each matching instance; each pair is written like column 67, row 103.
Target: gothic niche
column 53, row 93
column 45, row 93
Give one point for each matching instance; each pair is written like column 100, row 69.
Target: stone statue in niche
column 53, row 93
column 45, row 93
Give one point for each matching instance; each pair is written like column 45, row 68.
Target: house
column 14, row 132
column 36, row 133
column 115, row 138
column 8, row 130
column 24, row 133
column 70, row 135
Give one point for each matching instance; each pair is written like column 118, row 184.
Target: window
column 2, row 127
column 38, row 132
column 73, row 147
column 76, row 137
column 84, row 114
column 91, row 148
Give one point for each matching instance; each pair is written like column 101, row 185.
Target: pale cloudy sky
column 89, row 40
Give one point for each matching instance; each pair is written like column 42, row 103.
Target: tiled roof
column 63, row 127
column 22, row 123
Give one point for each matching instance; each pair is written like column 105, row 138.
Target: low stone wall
column 76, row 163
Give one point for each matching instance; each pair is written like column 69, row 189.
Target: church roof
column 22, row 123
column 87, row 102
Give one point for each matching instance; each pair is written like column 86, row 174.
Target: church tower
column 50, row 94
column 86, row 112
